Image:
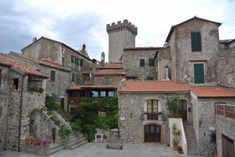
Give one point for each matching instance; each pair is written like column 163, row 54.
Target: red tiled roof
column 153, row 86
column 4, row 59
column 43, row 61
column 80, row 87
column 212, row 91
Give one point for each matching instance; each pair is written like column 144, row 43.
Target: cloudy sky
column 77, row 22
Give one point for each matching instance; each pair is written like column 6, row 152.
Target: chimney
column 34, row 39
column 102, row 59
column 83, row 48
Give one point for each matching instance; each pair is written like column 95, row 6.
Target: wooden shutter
column 196, row 41
column 198, row 73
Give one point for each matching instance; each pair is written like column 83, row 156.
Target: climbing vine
column 90, row 118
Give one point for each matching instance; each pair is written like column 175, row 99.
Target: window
column 198, row 73
column 16, row 84
column 151, row 62
column 152, row 105
column 106, row 80
column 0, row 77
column 111, row 93
column 103, row 94
column 52, row 76
column 62, row 103
column 142, row 62
column 63, row 60
column 196, row 41
column 72, row 59
column 81, row 62
column 95, row 94
column 73, row 77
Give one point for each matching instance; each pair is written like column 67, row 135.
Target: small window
column 63, row 60
column 73, row 77
column 95, row 94
column 81, row 62
column 72, row 59
column 142, row 62
column 62, row 103
column 151, row 62
column 106, row 80
column 196, row 41
column 103, row 94
column 52, row 76
column 111, row 93
column 0, row 77
column 16, row 84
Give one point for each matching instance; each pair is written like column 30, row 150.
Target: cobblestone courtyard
column 99, row 150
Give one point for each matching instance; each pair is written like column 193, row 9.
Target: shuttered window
column 196, row 41
column 199, row 73
column 52, row 76
column 142, row 62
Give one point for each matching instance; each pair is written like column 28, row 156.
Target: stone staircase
column 191, row 139
column 54, row 148
column 76, row 141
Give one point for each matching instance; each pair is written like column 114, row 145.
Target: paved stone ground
column 99, row 150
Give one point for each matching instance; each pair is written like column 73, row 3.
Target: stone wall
column 204, row 122
column 131, row 106
column 164, row 60
column 4, row 105
column 113, row 80
column 185, row 58
column 225, row 126
column 131, row 63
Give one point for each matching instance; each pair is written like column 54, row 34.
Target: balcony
column 153, row 116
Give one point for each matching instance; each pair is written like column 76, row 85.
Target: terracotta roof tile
column 212, row 91
column 153, row 86
column 43, row 61
column 80, row 87
column 5, row 59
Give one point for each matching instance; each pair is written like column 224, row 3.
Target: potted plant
column 176, row 136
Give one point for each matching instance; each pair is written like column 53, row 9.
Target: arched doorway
column 35, row 123
column 152, row 133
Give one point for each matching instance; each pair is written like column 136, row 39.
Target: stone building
column 121, row 35
column 143, row 110
column 225, row 126
column 103, row 82
column 140, row 62
column 193, row 45
column 21, row 93
column 58, row 76
column 60, row 53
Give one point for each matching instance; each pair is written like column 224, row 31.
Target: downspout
column 20, row 107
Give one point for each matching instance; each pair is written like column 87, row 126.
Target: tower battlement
column 121, row 25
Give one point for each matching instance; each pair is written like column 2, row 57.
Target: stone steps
column 191, row 139
column 54, row 148
column 76, row 141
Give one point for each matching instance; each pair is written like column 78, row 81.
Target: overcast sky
column 77, row 22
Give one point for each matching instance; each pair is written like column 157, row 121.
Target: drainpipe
column 20, row 107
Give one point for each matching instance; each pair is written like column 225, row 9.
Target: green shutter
column 198, row 73
column 196, row 41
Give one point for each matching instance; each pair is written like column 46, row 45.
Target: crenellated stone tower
column 121, row 35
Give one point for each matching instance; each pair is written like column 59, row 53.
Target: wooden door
column 152, row 133
column 183, row 107
column 227, row 147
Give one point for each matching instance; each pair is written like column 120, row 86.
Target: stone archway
column 35, row 124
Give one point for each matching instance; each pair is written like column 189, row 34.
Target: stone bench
column 114, row 146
